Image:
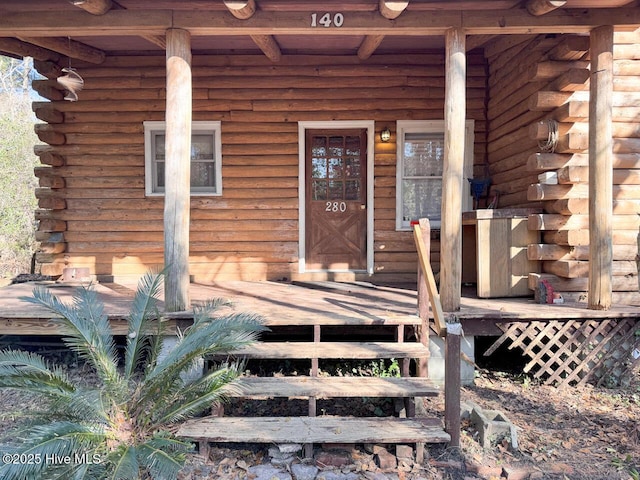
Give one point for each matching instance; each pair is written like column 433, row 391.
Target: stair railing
column 450, row 331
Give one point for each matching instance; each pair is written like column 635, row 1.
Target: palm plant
column 122, row 427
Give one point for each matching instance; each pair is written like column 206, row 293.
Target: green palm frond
column 124, row 463
column 198, row 396
column 47, row 444
column 207, row 308
column 73, row 471
column 84, row 405
column 30, row 372
column 86, row 328
column 210, row 336
column 124, row 418
column 163, row 456
column 143, row 309
column 206, row 338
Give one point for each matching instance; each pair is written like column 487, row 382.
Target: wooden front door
column 336, row 209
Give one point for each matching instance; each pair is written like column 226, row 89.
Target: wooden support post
column 177, row 170
column 423, row 298
column 601, row 169
column 313, row 404
column 452, row 383
column 453, row 171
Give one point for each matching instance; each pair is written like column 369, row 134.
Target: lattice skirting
column 602, row 352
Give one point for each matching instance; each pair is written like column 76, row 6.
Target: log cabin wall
column 538, row 154
column 93, row 210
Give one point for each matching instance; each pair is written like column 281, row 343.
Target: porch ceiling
column 289, row 44
column 283, row 26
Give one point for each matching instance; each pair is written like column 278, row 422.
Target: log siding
column 552, row 83
column 94, row 212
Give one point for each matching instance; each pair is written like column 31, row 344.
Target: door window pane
column 318, row 167
column 336, row 190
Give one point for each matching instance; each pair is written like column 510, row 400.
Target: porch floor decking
column 313, row 303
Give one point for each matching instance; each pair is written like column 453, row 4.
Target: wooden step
column 332, row 387
column 347, row 350
column 323, row 429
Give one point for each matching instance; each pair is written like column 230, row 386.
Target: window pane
column 335, row 168
column 336, row 190
column 160, row 174
column 202, row 147
column 319, row 168
column 319, row 147
column 423, row 154
column 158, row 147
column 319, row 190
column 352, row 167
column 353, row 146
column 336, row 146
column 352, row 191
column 203, row 174
column 422, row 199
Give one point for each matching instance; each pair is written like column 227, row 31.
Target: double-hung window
column 206, row 155
column 420, row 154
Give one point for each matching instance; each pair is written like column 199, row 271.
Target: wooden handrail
column 434, row 296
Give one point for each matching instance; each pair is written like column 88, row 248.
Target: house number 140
column 327, row 20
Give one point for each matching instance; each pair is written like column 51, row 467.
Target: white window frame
column 430, row 126
column 152, row 128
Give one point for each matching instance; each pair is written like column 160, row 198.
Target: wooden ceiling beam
column 369, row 45
column 23, row 49
column 540, row 7
column 156, row 22
column 477, row 41
column 389, row 9
column 94, row 7
column 242, row 9
column 68, row 47
column 159, row 40
column 269, row 46
column 392, row 9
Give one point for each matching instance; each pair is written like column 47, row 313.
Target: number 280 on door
column 336, row 207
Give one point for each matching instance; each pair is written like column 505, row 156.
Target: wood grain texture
column 329, row 387
column 323, row 429
column 600, row 169
column 366, row 350
column 259, row 150
column 452, row 174
column 177, row 170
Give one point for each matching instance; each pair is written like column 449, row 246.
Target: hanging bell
column 72, row 83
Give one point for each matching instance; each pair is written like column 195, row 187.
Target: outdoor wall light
column 385, row 135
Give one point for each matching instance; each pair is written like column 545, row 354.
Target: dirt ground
column 571, row 433
column 587, row 434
